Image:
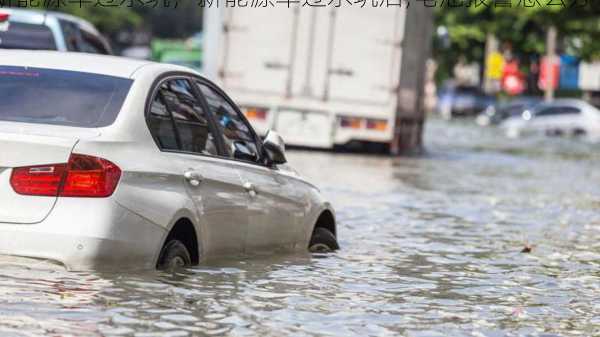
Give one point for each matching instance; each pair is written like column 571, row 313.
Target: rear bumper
column 318, row 129
column 101, row 235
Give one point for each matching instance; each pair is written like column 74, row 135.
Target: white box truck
column 321, row 77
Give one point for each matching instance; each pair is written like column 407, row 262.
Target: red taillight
column 91, row 177
column 4, row 17
column 38, row 180
column 83, row 176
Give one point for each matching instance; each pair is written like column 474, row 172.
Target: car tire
column 323, row 241
column 174, row 255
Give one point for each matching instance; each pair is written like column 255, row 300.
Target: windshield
column 27, row 36
column 60, row 97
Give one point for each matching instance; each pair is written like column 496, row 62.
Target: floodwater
column 432, row 246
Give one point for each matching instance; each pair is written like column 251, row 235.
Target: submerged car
column 495, row 114
column 108, row 161
column 561, row 117
column 45, row 30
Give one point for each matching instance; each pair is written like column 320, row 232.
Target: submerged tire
column 174, row 255
column 323, row 241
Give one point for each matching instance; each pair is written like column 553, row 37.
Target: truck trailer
column 321, row 77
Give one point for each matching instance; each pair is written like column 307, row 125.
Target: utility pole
column 551, row 59
column 410, row 113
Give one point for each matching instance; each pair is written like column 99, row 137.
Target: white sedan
column 561, row 117
column 109, row 162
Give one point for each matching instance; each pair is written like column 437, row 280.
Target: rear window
column 59, row 97
column 27, row 36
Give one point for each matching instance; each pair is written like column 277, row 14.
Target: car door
column 543, row 119
column 556, row 119
column 183, row 128
column 275, row 209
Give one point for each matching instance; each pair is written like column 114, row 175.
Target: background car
column 561, row 117
column 459, row 100
column 495, row 114
column 137, row 164
column 43, row 30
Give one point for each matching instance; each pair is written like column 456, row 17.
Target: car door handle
column 250, row 188
column 193, row 178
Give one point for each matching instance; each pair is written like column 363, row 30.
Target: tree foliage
column 524, row 28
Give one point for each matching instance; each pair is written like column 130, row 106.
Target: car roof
column 567, row 101
column 573, row 102
column 81, row 62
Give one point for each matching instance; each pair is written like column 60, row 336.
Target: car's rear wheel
column 174, row 255
column 323, row 241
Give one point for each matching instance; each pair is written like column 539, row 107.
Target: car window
column 239, row 138
column 556, row 111
column 60, row 97
column 71, row 35
column 513, row 110
column 546, row 112
column 569, row 111
column 161, row 124
column 92, row 44
column 27, row 36
column 189, row 120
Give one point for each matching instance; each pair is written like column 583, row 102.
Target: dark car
column 495, row 114
column 461, row 100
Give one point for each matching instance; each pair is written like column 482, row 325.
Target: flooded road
column 432, row 246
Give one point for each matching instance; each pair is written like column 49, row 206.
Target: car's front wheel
column 323, row 241
column 174, row 255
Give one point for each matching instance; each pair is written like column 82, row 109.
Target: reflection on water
column 431, row 247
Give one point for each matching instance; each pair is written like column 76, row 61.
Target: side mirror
column 275, row 148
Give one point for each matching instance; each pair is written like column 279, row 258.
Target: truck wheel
column 323, row 241
column 174, row 255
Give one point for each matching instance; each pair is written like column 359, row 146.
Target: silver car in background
column 110, row 162
column 562, row 117
column 45, row 30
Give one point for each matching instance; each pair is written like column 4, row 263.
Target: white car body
column 561, row 117
column 319, row 85
column 233, row 207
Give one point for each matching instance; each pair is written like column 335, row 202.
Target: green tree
column 524, row 28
